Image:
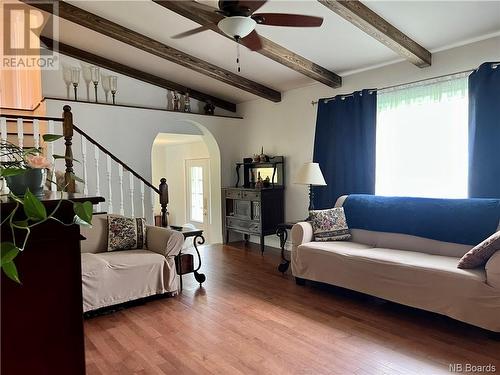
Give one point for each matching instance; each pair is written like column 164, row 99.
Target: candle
column 113, row 83
column 94, row 74
column 75, row 75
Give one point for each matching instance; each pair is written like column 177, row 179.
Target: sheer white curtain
column 422, row 139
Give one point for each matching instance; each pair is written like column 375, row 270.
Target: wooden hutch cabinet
column 251, row 209
column 42, row 318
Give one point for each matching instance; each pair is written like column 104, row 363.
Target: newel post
column 68, row 154
column 164, row 202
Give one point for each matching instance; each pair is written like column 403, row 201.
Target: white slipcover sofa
column 404, row 268
column 114, row 277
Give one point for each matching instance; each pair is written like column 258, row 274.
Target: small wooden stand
column 184, row 263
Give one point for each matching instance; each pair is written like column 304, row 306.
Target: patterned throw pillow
column 479, row 254
column 126, row 233
column 329, row 225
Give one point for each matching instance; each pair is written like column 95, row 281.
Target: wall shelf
column 139, row 107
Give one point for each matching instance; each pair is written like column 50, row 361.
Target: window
column 196, row 213
column 422, row 135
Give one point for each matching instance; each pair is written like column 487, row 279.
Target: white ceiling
column 336, row 45
column 176, row 139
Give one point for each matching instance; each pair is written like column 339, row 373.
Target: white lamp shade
column 237, row 26
column 310, row 174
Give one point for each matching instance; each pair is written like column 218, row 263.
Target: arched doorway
column 191, row 165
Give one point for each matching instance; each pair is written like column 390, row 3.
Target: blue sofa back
column 463, row 221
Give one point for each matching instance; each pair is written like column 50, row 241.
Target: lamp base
column 311, row 198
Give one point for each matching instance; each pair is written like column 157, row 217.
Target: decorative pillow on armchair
column 479, row 254
column 126, row 233
column 329, row 225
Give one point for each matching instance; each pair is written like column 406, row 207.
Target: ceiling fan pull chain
column 238, row 55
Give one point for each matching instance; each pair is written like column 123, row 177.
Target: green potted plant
column 24, row 170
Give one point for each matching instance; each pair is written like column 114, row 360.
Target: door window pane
column 196, row 209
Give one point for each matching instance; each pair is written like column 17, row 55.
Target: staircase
column 126, row 191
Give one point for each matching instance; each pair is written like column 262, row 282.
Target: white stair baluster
column 84, row 164
column 20, row 133
column 152, row 193
column 53, row 185
column 110, row 189
column 120, row 177
column 36, row 132
column 97, row 183
column 142, row 199
column 3, row 132
column 131, row 185
column 3, row 127
column 3, row 136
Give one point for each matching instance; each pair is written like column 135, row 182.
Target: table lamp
column 310, row 174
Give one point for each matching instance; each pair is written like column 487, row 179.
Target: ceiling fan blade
column 283, row 19
column 253, row 5
column 252, row 41
column 189, row 32
column 240, row 7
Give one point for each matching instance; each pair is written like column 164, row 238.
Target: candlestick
column 75, row 79
column 113, row 85
column 94, row 74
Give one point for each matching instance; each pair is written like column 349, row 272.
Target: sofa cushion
column 125, row 259
column 329, row 225
column 115, row 277
column 479, row 255
column 93, row 265
column 341, row 247
column 492, row 268
column 415, row 262
column 96, row 236
column 126, row 233
column 399, row 241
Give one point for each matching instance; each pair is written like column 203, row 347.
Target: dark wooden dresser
column 42, row 319
column 253, row 210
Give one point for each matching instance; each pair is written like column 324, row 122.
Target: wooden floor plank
column 250, row 319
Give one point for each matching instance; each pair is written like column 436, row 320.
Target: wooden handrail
column 31, row 118
column 22, row 109
column 125, row 166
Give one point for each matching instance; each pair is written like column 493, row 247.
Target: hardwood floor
column 249, row 319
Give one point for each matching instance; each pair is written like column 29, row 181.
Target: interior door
column 198, row 194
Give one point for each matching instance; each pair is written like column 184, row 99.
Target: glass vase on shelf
column 113, row 86
column 94, row 76
column 75, row 79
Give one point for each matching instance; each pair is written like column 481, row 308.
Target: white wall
column 169, row 161
column 287, row 128
column 57, row 83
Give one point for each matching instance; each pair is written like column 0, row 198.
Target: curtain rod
column 493, row 65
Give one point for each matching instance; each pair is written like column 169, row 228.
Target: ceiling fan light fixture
column 237, row 27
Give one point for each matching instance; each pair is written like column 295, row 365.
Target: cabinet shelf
column 252, row 169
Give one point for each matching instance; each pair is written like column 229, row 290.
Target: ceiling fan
column 240, row 21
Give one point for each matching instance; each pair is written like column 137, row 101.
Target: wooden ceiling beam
column 154, row 47
column 371, row 23
column 126, row 70
column 206, row 16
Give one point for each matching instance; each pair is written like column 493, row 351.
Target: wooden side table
column 183, row 264
column 282, row 232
